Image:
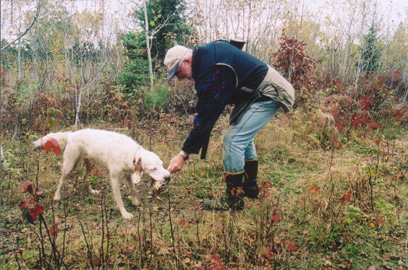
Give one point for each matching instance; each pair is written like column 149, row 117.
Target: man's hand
column 176, row 163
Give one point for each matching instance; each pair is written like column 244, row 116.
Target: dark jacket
column 223, row 74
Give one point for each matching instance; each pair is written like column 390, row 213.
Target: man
column 224, row 74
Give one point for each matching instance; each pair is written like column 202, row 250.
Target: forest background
column 333, row 172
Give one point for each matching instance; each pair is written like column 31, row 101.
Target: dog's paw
column 57, row 197
column 127, row 215
column 134, row 201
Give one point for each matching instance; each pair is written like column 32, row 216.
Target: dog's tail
column 61, row 138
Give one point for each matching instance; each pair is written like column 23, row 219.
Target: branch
column 26, row 31
column 155, row 31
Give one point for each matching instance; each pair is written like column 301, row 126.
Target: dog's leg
column 68, row 165
column 115, row 183
column 133, row 192
column 136, row 177
column 87, row 184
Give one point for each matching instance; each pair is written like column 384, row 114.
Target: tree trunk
column 149, row 58
column 19, row 50
column 79, row 95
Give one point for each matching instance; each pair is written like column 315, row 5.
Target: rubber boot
column 251, row 189
column 233, row 198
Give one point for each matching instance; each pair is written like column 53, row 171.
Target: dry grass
column 302, row 221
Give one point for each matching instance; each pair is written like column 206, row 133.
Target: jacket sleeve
column 214, row 92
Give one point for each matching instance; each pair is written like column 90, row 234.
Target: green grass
column 303, row 183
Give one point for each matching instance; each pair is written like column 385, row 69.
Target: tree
column 167, row 23
column 38, row 7
column 135, row 65
column 166, row 26
column 370, row 52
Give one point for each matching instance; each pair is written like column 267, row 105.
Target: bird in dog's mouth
column 159, row 187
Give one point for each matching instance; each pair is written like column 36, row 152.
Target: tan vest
column 278, row 88
column 275, row 86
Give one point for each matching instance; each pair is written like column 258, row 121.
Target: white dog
column 122, row 156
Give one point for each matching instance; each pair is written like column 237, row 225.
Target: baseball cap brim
column 172, row 72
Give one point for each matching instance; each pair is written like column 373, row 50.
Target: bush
column 156, row 98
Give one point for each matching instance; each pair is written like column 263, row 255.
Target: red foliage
column 346, row 197
column 401, row 113
column 28, row 187
column 54, row 230
column 290, row 245
column 276, row 216
column 217, row 264
column 363, row 105
column 31, row 208
column 295, row 65
column 316, row 189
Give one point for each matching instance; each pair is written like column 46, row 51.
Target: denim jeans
column 238, row 142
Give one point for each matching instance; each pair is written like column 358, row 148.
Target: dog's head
column 149, row 163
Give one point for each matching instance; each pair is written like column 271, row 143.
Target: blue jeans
column 238, row 142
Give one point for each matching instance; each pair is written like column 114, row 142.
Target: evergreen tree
column 136, row 70
column 370, row 52
column 167, row 22
column 167, row 26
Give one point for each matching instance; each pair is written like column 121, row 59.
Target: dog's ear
column 137, row 165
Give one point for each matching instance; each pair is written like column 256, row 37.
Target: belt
column 262, row 98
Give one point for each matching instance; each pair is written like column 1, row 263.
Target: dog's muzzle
column 159, row 187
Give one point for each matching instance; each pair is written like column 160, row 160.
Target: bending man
column 224, row 74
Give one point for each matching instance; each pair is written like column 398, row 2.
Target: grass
column 320, row 208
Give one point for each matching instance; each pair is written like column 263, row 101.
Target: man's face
column 184, row 70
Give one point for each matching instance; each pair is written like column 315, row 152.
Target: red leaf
column 315, row 188
column 346, row 197
column 31, row 208
column 33, row 214
column 23, row 205
column 28, row 187
column 217, row 264
column 39, row 208
column 339, row 128
column 182, row 221
column 290, row 245
column 276, row 216
column 377, row 142
column 54, row 230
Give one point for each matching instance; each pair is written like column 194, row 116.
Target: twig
column 26, row 31
column 87, row 245
column 102, row 258
column 171, row 230
column 56, row 254
column 197, row 231
column 151, row 228
column 140, row 240
column 42, row 244
column 15, row 256
column 65, row 229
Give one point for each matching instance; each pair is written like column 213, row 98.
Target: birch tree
column 149, row 57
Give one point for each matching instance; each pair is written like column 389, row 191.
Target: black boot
column 233, row 198
column 251, row 189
